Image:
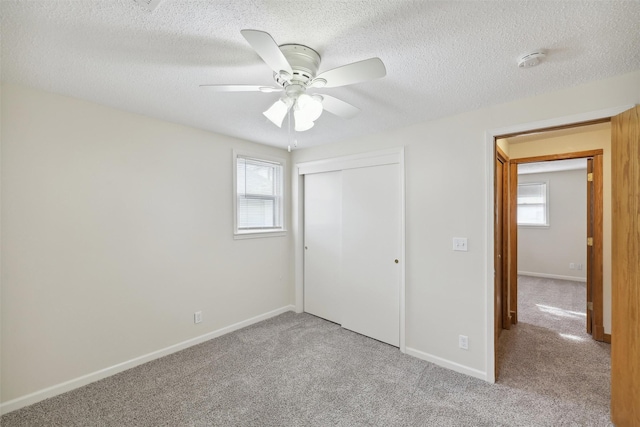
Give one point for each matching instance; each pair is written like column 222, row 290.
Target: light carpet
column 299, row 370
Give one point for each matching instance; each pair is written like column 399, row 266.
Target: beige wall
column 504, row 145
column 116, row 228
column 548, row 251
column 587, row 138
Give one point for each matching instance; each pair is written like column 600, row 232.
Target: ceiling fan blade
column 268, row 50
column 339, row 107
column 241, row 88
column 369, row 69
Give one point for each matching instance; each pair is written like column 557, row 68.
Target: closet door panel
column 371, row 242
column 323, row 241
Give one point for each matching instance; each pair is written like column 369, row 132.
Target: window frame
column 259, row 232
column 547, row 223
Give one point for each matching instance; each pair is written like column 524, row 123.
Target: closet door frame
column 368, row 159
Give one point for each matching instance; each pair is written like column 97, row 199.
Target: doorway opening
column 585, row 144
column 553, row 262
column 621, row 170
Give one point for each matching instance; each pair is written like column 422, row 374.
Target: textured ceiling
column 441, row 57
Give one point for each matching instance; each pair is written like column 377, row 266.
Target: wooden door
column 590, row 252
column 371, row 248
column 625, row 224
column 323, row 245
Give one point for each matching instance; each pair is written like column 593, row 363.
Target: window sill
column 533, row 225
column 259, row 234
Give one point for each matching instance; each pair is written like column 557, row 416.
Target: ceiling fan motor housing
column 304, row 63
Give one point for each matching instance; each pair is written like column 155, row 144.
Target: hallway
column 549, row 352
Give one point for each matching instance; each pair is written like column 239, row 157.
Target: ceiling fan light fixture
column 277, row 112
column 301, row 124
column 308, row 108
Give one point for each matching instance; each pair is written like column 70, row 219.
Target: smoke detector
column 531, row 59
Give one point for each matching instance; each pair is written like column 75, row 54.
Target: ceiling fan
column 295, row 68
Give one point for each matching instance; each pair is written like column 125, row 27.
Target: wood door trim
column 598, row 309
column 561, row 156
column 505, row 245
column 501, row 155
column 502, row 312
column 590, row 249
column 506, row 309
column 552, row 128
column 598, row 276
column 508, row 315
column 513, row 241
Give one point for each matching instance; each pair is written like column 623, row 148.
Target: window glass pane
column 532, row 214
column 532, row 203
column 257, row 177
column 256, row 213
column 258, row 194
column 531, row 193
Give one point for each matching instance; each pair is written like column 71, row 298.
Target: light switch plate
column 460, row 244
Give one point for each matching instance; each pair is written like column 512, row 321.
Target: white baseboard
column 66, row 386
column 447, row 364
column 552, row 276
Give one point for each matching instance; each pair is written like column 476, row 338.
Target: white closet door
column 323, row 241
column 371, row 242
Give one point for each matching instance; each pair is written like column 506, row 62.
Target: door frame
column 502, row 313
column 373, row 158
column 507, row 319
column 595, row 316
column 490, row 135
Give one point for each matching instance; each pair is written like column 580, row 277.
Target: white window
column 533, row 204
column 259, row 187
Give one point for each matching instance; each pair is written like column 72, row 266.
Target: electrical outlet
column 572, row 266
column 463, row 342
column 197, row 317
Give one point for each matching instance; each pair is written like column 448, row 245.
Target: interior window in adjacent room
column 259, row 200
column 533, row 204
